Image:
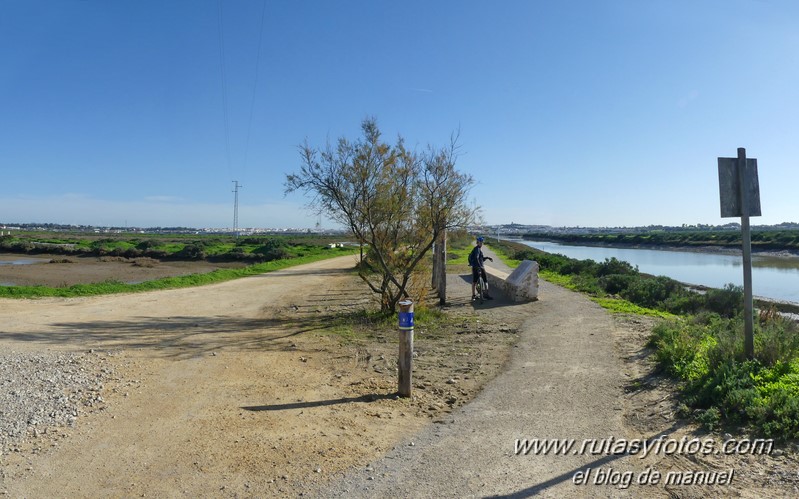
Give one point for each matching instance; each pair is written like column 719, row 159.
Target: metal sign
column 740, row 197
column 730, row 188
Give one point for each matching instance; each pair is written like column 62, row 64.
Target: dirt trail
column 220, row 390
column 570, row 377
column 563, row 381
column 227, row 391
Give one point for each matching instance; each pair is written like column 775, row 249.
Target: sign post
column 740, row 197
column 405, row 347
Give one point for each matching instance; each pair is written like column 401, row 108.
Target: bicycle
column 481, row 288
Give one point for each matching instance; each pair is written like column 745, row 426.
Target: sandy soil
column 238, row 389
column 243, row 389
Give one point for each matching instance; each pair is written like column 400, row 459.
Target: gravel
column 41, row 393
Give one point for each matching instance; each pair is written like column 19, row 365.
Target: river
column 776, row 278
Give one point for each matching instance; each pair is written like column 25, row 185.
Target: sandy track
column 222, row 392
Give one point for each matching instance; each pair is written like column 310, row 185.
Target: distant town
column 511, row 229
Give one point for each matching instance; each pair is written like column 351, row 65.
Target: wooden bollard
column 405, row 347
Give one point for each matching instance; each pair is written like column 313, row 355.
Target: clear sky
column 571, row 113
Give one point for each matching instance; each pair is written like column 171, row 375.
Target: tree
column 395, row 201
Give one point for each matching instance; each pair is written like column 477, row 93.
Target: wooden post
column 743, row 185
column 405, row 347
column 442, row 269
column 434, row 277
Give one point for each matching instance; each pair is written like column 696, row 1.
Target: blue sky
column 571, row 113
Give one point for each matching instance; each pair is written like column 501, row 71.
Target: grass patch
column 618, row 306
column 216, row 276
column 366, row 325
column 724, row 388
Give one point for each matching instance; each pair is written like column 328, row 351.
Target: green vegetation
column 699, row 342
column 265, row 254
column 618, row 286
column 364, row 325
column 459, row 245
column 249, row 249
column 705, row 353
column 764, row 238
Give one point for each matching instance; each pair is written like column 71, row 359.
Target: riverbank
column 775, row 270
column 711, row 249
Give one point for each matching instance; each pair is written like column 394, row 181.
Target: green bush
column 572, row 267
column 684, row 302
column 616, row 283
column 271, row 253
column 191, row 252
column 614, row 266
column 727, row 302
column 650, row 292
column 527, row 255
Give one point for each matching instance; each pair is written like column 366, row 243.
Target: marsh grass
column 216, row 276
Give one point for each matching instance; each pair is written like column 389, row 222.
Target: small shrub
column 586, row 284
column 615, row 266
column 650, row 292
column 61, row 260
column 191, row 252
column 615, row 283
column 710, row 419
column 146, row 245
column 777, row 341
column 727, row 302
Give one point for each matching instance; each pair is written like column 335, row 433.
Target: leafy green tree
column 394, row 200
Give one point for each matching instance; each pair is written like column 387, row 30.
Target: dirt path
column 232, row 390
column 570, row 377
column 563, row 381
column 222, row 393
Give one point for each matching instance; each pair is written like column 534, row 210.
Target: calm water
column 20, row 261
column 772, row 277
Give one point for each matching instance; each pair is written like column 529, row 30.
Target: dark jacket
column 476, row 258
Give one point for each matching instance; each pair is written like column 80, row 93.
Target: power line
column 224, row 88
column 255, row 84
column 223, row 79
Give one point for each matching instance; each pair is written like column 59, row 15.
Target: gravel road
column 40, row 393
column 563, row 381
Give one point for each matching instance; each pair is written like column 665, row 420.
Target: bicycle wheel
column 481, row 289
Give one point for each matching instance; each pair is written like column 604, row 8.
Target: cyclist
column 476, row 260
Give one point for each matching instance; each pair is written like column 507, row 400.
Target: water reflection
column 772, row 277
column 21, row 261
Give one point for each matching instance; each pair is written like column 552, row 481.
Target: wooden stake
column 405, row 347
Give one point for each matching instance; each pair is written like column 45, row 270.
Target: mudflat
column 59, row 270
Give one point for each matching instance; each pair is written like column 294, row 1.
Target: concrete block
column 522, row 284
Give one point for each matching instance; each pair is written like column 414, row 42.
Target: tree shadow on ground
column 370, row 397
column 185, row 336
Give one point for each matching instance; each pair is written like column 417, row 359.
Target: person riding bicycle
column 476, row 260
